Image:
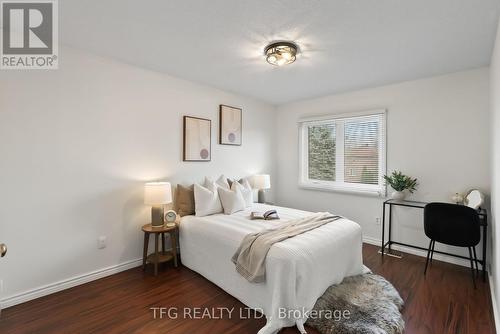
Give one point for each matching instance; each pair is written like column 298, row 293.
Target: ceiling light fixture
column 281, row 53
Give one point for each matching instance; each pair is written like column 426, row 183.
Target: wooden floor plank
column 443, row 301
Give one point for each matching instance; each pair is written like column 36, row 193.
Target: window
column 344, row 153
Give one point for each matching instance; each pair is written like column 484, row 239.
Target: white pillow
column 232, row 200
column 206, row 199
column 246, row 191
column 221, row 182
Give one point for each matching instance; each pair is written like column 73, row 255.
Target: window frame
column 339, row 185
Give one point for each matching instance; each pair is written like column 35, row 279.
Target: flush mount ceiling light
column 281, row 53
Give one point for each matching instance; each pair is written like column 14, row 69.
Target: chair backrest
column 452, row 224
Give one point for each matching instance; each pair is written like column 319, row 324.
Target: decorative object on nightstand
column 157, row 194
column 262, row 182
column 170, row 218
column 400, row 182
column 159, row 257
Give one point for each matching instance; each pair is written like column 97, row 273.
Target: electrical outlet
column 101, row 242
column 377, row 221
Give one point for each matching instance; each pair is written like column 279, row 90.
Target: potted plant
column 400, row 182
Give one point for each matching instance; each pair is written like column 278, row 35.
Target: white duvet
column 298, row 270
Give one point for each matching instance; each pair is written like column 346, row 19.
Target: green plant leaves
column 400, row 182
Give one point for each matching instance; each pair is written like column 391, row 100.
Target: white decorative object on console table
column 457, row 199
column 474, row 199
column 398, row 195
column 262, row 182
column 157, row 194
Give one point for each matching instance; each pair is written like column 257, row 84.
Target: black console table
column 483, row 215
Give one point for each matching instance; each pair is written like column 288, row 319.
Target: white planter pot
column 398, row 195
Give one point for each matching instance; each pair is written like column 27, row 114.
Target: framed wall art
column 230, row 125
column 197, row 139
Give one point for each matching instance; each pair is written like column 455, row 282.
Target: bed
column 298, row 270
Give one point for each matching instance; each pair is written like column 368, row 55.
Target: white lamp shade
column 156, row 193
column 262, row 181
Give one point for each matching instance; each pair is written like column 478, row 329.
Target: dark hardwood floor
column 442, row 302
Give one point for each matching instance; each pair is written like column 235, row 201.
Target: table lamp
column 262, row 182
column 157, row 194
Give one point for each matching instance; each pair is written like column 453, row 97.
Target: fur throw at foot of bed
column 373, row 305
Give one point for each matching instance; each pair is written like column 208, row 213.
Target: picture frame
column 197, row 139
column 230, row 125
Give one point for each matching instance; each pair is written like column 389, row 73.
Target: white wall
column 437, row 130
column 495, row 165
column 76, row 145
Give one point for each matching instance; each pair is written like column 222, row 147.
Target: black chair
column 455, row 225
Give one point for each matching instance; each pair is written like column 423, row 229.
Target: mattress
column 298, row 270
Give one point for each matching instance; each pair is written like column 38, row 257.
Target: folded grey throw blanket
column 251, row 255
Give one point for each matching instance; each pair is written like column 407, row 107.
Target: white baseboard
column 68, row 283
column 493, row 301
column 418, row 252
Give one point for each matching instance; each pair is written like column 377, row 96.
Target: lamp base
column 157, row 216
column 261, row 196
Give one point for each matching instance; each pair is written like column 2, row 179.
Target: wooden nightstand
column 163, row 256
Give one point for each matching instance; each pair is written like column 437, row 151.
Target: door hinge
column 3, row 250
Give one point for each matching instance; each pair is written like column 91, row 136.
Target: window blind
column 362, row 149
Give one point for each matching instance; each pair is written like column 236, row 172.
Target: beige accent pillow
column 243, row 182
column 184, row 200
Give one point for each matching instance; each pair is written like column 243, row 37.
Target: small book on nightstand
column 268, row 215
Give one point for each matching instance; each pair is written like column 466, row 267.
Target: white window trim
column 339, row 186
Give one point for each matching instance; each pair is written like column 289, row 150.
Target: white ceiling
column 346, row 44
